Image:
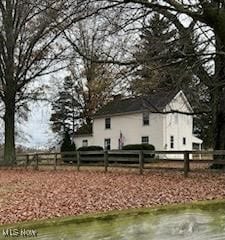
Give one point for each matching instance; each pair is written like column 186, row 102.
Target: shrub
column 90, row 148
column 68, row 146
column 148, row 147
column 139, row 147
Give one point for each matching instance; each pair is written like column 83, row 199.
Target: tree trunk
column 9, row 118
column 218, row 96
column 219, row 120
column 219, row 126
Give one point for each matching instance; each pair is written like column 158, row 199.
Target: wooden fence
column 122, row 158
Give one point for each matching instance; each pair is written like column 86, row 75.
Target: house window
column 85, row 143
column 184, row 140
column 107, row 143
column 145, row 140
column 107, row 123
column 145, row 118
column 171, row 142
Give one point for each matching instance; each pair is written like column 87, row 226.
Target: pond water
column 186, row 225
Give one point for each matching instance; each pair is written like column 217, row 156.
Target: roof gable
column 179, row 103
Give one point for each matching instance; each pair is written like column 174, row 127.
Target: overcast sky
column 37, row 129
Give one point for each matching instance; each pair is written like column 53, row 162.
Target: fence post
column 186, row 163
column 74, row 157
column 27, row 161
column 37, row 162
column 78, row 161
column 141, row 160
column 15, row 163
column 106, row 160
column 55, row 163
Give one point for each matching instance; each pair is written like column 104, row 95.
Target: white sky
column 37, row 129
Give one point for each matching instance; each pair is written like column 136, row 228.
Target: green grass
column 172, row 208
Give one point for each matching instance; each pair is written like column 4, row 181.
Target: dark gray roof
column 154, row 103
column 86, row 129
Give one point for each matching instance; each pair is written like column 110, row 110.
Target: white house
column 163, row 119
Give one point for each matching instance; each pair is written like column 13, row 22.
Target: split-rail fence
column 122, row 158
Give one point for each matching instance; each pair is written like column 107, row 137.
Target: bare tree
column 202, row 24
column 91, row 42
column 31, row 47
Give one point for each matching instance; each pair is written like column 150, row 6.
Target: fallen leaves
column 26, row 195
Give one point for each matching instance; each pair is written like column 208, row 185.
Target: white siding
column 178, row 125
column 79, row 140
column 161, row 127
column 132, row 129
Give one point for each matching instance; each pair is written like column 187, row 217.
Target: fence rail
column 121, row 158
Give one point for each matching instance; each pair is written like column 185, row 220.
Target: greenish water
column 189, row 224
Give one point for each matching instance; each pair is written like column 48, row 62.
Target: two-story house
column 163, row 119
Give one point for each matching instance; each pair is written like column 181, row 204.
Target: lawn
column 29, row 195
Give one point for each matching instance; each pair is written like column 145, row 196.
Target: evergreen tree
column 156, row 55
column 159, row 68
column 67, row 145
column 66, row 108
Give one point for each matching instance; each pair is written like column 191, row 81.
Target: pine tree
column 66, row 108
column 159, row 68
column 67, row 144
column 155, row 54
